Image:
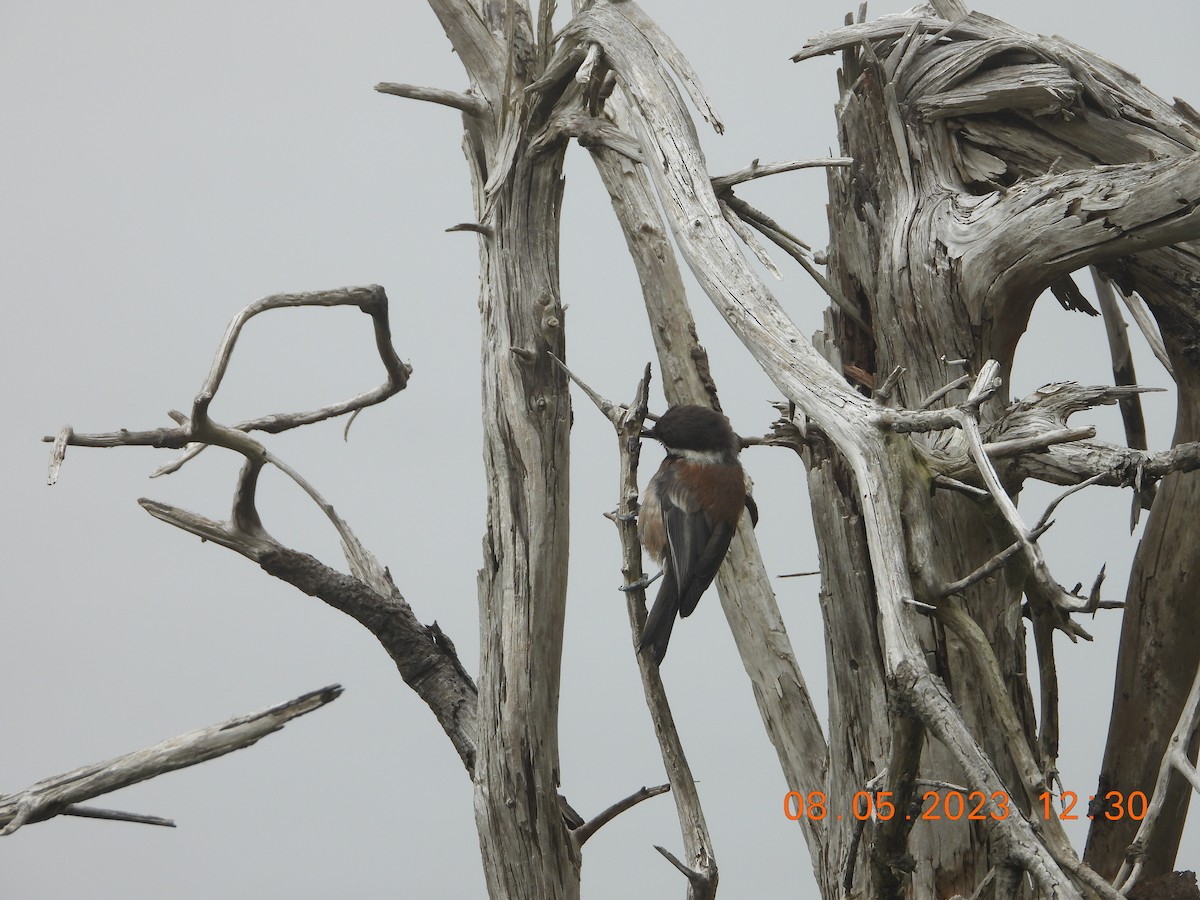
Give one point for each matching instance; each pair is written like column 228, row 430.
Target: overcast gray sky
column 166, row 163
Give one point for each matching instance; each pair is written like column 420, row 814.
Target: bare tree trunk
column 526, row 845
column 527, row 415
column 933, row 134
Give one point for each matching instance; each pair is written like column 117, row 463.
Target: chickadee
column 691, row 508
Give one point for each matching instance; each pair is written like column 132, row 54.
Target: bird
column 689, row 513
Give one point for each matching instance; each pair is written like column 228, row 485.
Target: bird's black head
column 696, row 431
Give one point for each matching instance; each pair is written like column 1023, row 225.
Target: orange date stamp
column 954, row 805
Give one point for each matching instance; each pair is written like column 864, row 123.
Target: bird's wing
column 695, row 549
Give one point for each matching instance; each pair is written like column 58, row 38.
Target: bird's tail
column 661, row 620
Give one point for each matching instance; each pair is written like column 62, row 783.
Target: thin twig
column 943, row 391
column 690, row 874
column 585, row 831
column 628, row 421
column 796, row 251
column 743, row 231
column 1044, row 522
column 953, row 484
column 195, row 430
column 761, row 170
column 995, row 563
column 608, row 409
column 474, row 227
column 116, row 815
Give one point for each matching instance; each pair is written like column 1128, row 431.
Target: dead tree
column 980, row 166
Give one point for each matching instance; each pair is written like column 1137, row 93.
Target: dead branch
column 756, row 169
column 1040, row 587
column 627, row 420
column 424, row 656
column 789, row 243
column 666, row 50
column 588, row 131
column 585, row 831
column 889, row 853
column 1145, row 323
column 115, row 815
column 780, row 690
column 199, row 431
column 1132, row 416
column 50, row 796
column 748, row 238
column 960, row 381
column 805, row 378
column 699, row 886
column 994, row 564
column 468, row 103
column 1036, row 442
column 1174, row 760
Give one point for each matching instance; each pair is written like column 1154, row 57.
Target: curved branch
column 198, row 432
column 424, row 655
column 1022, row 239
column 1174, row 760
column 585, row 831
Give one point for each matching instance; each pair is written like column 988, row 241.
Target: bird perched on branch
column 690, row 512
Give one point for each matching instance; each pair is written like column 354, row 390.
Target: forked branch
column 424, row 655
column 53, row 796
column 1174, row 760
column 199, row 432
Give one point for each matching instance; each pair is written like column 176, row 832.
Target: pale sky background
column 165, row 164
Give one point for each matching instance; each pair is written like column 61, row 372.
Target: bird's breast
column 719, row 489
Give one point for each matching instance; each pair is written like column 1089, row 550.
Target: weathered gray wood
column 1020, row 201
column 526, row 845
column 50, row 796
column 779, row 688
column 971, row 180
column 879, row 468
